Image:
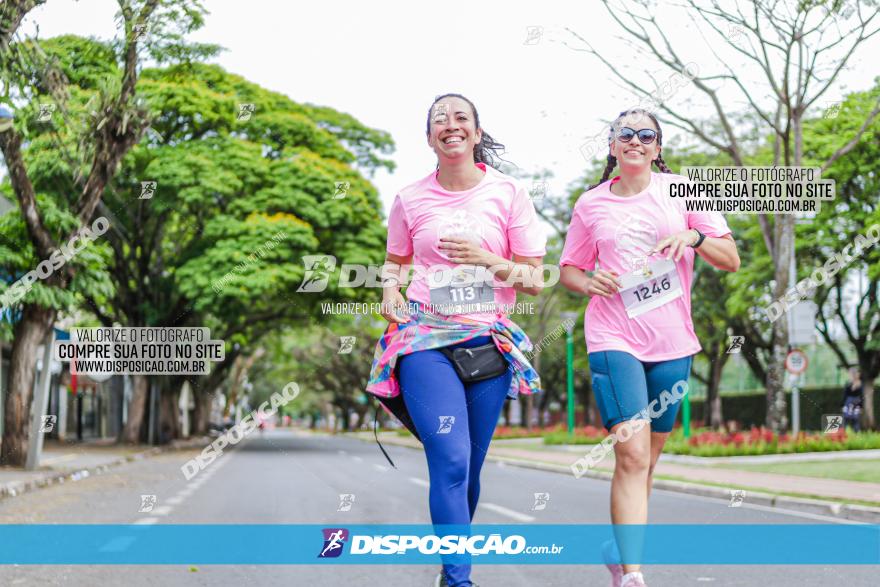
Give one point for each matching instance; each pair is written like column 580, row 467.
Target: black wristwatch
column 700, row 240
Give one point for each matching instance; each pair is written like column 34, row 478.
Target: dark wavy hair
column 612, row 160
column 488, row 150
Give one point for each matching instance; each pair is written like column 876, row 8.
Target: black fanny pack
column 476, row 363
column 471, row 364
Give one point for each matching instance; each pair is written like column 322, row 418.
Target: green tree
column 237, row 205
column 102, row 124
column 838, row 225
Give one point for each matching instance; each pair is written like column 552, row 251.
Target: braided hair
column 612, row 160
column 488, row 150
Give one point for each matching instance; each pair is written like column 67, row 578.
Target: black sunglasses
column 646, row 135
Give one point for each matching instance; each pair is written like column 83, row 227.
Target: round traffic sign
column 796, row 362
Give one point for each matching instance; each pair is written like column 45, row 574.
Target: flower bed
column 757, row 441
column 761, row 441
column 514, row 432
column 506, row 432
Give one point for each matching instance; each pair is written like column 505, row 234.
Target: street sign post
column 796, row 363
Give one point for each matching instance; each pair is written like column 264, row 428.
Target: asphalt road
column 295, row 478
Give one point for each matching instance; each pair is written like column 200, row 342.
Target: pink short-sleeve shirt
column 497, row 213
column 614, row 233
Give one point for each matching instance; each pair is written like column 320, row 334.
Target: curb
column 844, row 511
column 16, row 488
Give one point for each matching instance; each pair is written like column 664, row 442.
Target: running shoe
column 635, row 579
column 440, row 581
column 612, row 558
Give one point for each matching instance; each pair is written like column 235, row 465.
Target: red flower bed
column 520, row 432
column 759, row 436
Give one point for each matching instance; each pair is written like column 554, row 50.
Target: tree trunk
column 777, row 416
column 588, row 400
column 345, row 418
column 542, row 407
column 232, row 396
column 201, row 413
column 783, row 261
column 137, row 407
column 169, row 417
column 527, row 411
column 868, row 416
column 362, row 411
column 29, row 333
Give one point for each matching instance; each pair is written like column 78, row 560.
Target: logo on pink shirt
column 633, row 239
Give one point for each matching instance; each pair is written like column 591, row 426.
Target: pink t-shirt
column 616, row 232
column 496, row 213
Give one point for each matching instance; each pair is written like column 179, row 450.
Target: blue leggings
column 456, row 422
column 624, row 386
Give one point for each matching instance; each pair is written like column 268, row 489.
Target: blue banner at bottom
column 567, row 544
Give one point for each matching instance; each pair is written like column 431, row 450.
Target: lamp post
column 568, row 320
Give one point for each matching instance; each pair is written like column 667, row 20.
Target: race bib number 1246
column 643, row 291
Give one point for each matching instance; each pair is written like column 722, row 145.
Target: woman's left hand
column 461, row 250
column 676, row 244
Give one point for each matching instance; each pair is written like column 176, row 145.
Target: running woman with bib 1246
column 631, row 248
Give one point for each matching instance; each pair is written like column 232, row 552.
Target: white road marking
column 419, row 482
column 146, row 521
column 380, row 468
column 162, row 510
column 499, row 509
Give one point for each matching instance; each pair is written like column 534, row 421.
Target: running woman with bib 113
column 474, row 239
column 631, row 248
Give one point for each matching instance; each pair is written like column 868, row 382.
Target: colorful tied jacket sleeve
column 426, row 330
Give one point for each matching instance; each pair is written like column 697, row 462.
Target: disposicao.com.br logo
column 403, row 544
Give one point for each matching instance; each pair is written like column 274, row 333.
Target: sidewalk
column 65, row 461
column 699, row 475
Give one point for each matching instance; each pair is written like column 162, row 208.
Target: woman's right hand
column 603, row 283
column 394, row 307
